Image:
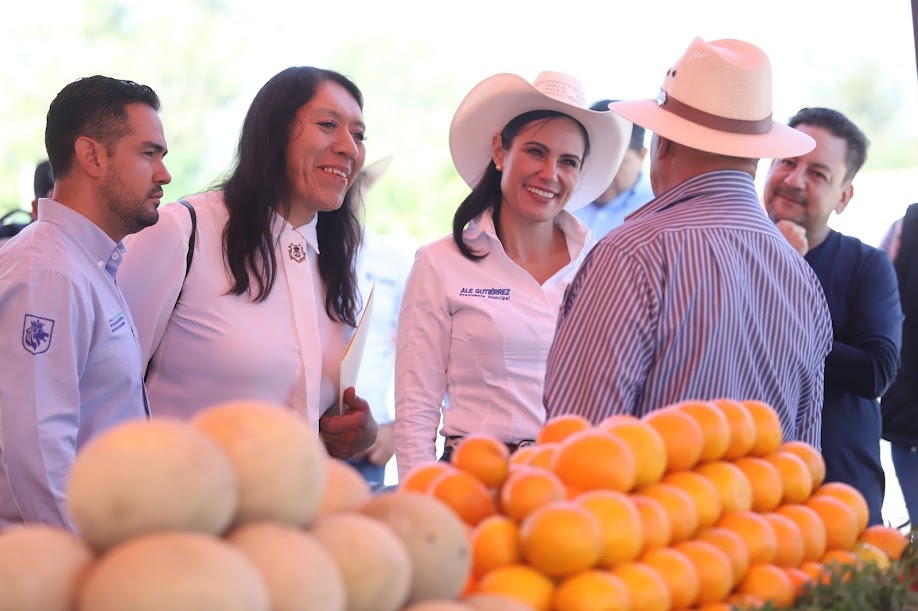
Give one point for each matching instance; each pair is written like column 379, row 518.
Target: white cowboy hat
column 493, row 102
column 717, row 98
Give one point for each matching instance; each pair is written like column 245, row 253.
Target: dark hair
column 637, row 132
column 43, row 182
column 258, row 182
column 93, row 106
column 839, row 126
column 486, row 193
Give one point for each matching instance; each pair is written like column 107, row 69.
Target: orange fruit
column 714, row 427
column 715, row 573
column 594, row 460
column 810, row 456
column 814, row 570
column 796, row 478
column 527, row 489
column 768, row 583
column 871, row 554
column 561, row 539
column 767, row 428
column 812, row 529
column 646, row 445
column 679, row 507
column 591, row 590
column 755, row 531
column 620, row 523
column 789, row 551
column 742, row 427
column 522, row 456
column 495, row 542
column 799, row 579
column 615, row 419
column 658, row 530
column 703, row 493
column 840, row 520
column 732, row 484
column 767, row 489
column 889, row 540
column 715, row 607
column 484, row 457
column 678, row 572
column 519, row 582
column 560, row 427
column 421, row 476
column 731, row 544
column 464, row 494
column 542, row 455
column 647, row 590
column 851, row 497
column 682, row 436
column 745, row 602
column 838, row 562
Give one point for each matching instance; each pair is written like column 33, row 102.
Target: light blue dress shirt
column 603, row 218
column 71, row 364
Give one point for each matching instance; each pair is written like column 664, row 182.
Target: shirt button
column 115, row 256
column 101, row 263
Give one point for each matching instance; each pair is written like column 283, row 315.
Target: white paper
column 353, row 354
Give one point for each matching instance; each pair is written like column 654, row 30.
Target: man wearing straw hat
column 698, row 295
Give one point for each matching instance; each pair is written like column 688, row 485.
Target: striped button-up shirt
column 696, row 296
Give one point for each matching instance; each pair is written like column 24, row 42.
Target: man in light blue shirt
column 628, row 191
column 71, row 359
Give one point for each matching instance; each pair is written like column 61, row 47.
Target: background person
column 899, row 405
column 271, row 299
column 860, row 287
column 382, row 268
column 72, row 363
column 481, row 305
column 628, row 191
column 698, row 296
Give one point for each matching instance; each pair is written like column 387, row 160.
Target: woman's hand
column 353, row 431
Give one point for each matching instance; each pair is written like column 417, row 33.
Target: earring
column 498, row 168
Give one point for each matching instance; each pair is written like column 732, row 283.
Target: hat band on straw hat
column 706, row 119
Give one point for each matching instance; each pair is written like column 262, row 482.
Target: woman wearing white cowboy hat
column 698, row 295
column 480, row 306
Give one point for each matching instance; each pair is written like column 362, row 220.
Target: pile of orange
column 696, row 505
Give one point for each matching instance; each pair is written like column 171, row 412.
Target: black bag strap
column 194, row 230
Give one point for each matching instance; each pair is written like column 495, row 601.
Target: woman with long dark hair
column 270, row 299
column 479, row 310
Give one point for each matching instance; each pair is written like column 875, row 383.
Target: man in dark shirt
column 860, row 287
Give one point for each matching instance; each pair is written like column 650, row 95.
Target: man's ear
column 663, row 147
column 91, row 156
column 846, row 195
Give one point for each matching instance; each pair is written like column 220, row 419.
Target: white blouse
column 215, row 346
column 474, row 338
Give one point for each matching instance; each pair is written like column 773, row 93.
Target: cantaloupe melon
column 345, row 488
column 150, row 475
column 178, row 571
column 438, row 605
column 374, row 562
column 40, row 568
column 435, row 538
column 279, row 460
column 492, row 602
column 300, row 574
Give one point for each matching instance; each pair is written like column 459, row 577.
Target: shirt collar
column 692, row 187
column 279, row 226
column 86, row 234
column 574, row 231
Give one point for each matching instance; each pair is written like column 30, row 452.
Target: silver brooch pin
column 661, row 98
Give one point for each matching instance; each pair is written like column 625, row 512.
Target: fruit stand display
column 696, row 506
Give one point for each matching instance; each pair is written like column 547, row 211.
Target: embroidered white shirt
column 215, row 346
column 474, row 338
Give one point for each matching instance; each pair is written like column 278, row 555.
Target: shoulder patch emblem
column 36, row 333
